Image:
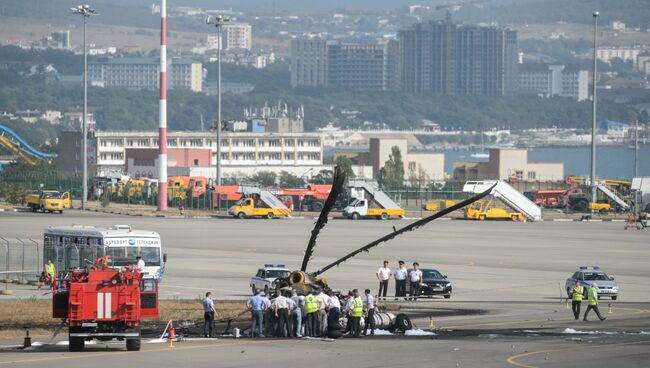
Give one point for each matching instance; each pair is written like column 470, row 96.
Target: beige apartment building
column 509, row 163
column 417, row 165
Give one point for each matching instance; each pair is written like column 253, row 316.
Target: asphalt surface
column 484, row 260
column 506, row 308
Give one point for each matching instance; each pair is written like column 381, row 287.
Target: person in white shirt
column 334, row 307
column 370, row 313
column 281, row 306
column 383, row 275
column 401, row 274
column 415, row 277
column 139, row 263
column 323, row 301
column 296, row 314
column 349, row 303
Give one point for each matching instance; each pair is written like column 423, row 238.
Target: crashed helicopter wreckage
column 305, row 282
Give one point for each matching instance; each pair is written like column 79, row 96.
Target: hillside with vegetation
column 24, row 88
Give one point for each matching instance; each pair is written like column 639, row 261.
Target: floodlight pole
column 218, row 21
column 86, row 12
column 593, row 113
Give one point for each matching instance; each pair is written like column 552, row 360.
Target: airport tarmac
column 618, row 341
column 500, row 261
column 505, row 310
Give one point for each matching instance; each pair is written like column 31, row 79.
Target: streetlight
column 219, row 21
column 86, row 12
column 593, row 113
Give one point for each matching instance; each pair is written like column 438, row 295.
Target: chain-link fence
column 21, row 260
column 413, row 196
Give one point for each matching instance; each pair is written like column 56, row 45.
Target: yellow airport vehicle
column 483, row 211
column 48, row 201
column 440, row 205
column 135, row 187
column 430, row 206
column 361, row 207
column 600, row 207
column 258, row 203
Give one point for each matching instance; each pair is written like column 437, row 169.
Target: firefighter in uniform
column 576, row 299
column 355, row 314
column 592, row 302
column 311, row 315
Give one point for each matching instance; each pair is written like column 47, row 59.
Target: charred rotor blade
column 337, row 187
column 406, row 228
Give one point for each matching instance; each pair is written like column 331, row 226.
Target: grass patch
column 36, row 314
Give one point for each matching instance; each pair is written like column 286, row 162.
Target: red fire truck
column 104, row 303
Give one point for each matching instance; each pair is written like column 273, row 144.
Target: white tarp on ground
column 576, row 332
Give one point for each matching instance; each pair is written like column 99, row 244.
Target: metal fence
column 21, row 260
column 411, row 198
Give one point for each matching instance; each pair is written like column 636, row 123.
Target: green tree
column 391, row 176
column 264, row 178
column 289, row 180
column 345, row 164
column 323, row 177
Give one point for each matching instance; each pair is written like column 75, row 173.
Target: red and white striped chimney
column 162, row 112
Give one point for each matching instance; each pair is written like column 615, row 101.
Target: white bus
column 77, row 247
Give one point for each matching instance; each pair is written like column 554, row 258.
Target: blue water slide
column 24, row 145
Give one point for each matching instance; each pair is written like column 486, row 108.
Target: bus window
column 125, row 256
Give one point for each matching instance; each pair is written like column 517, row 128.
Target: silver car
column 587, row 275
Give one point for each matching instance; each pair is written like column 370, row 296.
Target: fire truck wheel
column 133, row 344
column 76, row 344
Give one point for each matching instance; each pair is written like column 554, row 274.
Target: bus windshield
column 125, row 256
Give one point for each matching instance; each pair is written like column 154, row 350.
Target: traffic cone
column 27, row 342
column 609, row 308
column 566, row 305
column 171, row 335
column 430, row 322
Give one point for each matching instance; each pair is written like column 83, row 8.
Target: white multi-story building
column 144, row 73
column 240, row 152
column 237, row 36
column 606, row 54
column 554, row 80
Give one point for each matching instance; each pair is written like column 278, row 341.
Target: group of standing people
column 309, row 315
column 402, row 276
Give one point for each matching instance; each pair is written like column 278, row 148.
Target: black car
column 435, row 283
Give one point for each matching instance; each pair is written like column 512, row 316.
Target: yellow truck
column 362, row 207
column 48, row 201
column 483, row 210
column 257, row 202
column 440, row 205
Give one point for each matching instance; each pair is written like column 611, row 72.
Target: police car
column 266, row 276
column 587, row 275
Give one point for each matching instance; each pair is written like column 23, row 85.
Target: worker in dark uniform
column 355, row 314
column 208, row 315
column 577, row 293
column 370, row 313
column 311, row 313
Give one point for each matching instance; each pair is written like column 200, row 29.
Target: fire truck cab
column 104, row 303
